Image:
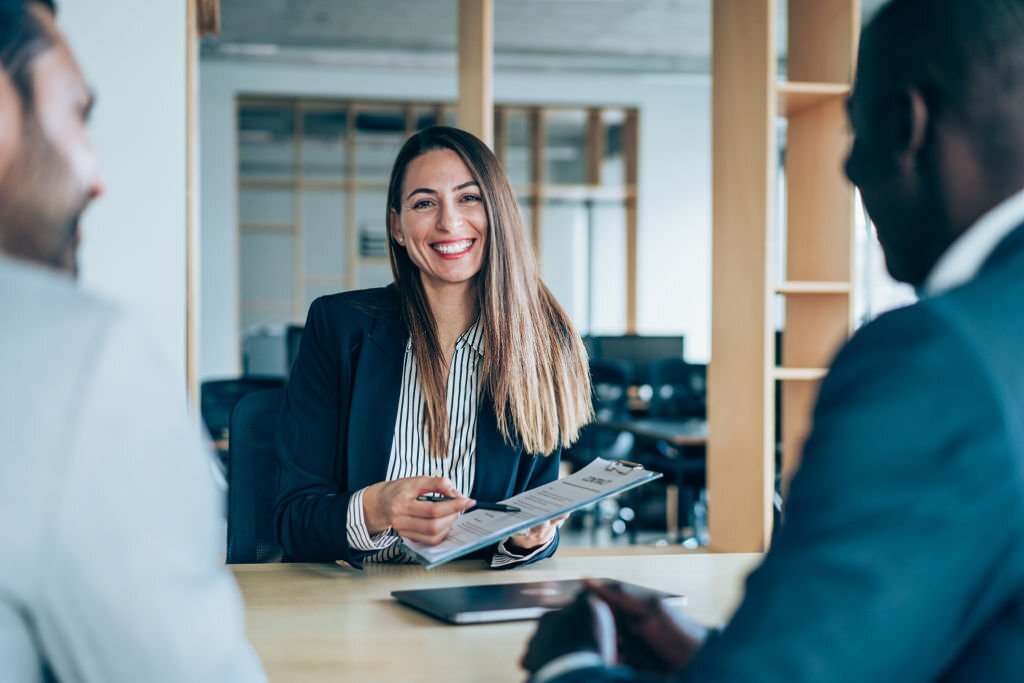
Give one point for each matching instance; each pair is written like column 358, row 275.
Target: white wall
column 133, row 54
column 675, row 180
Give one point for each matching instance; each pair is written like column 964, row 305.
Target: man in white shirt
column 109, row 530
column 901, row 554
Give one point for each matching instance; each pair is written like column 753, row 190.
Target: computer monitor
column 638, row 350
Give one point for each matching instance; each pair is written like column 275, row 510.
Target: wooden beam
column 741, row 444
column 191, row 206
column 207, row 16
column 595, row 145
column 538, row 134
column 351, row 169
column 501, row 134
column 475, row 112
column 631, row 143
column 298, row 218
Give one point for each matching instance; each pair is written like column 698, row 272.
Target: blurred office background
column 602, row 118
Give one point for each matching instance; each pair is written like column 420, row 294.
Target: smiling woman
column 464, row 376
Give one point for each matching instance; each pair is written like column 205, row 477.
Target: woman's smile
column 453, row 249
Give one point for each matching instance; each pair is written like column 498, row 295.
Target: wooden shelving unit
column 819, row 201
column 816, row 284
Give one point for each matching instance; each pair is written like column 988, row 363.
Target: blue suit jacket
column 901, row 557
column 338, row 422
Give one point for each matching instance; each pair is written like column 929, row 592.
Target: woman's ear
column 396, row 231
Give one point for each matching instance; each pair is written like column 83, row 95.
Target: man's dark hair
column 22, row 39
column 965, row 57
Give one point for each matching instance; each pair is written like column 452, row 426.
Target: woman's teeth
column 453, row 247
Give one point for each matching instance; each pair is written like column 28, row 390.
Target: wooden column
column 631, row 145
column 741, row 459
column 207, row 16
column 475, row 111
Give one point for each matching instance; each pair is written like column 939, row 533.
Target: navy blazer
column 338, row 421
column 901, row 557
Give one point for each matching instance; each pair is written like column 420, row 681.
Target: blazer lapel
column 497, row 461
column 375, row 392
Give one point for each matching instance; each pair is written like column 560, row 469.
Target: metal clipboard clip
column 623, row 466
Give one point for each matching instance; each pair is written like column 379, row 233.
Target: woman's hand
column 525, row 542
column 393, row 504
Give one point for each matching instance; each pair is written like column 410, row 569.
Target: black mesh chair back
column 218, row 397
column 610, row 380
column 292, row 341
column 252, row 479
column 679, row 389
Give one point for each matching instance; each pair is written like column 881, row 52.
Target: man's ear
column 10, row 121
column 396, row 232
column 913, row 132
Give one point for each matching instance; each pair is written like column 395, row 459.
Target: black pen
column 496, row 507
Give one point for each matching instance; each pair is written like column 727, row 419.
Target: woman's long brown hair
column 535, row 366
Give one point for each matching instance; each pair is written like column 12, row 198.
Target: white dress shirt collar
column 474, row 336
column 965, row 257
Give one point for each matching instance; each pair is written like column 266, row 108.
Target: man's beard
column 40, row 210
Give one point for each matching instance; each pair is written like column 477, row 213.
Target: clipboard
column 480, row 528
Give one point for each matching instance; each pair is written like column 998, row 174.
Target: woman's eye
column 422, row 204
column 470, row 198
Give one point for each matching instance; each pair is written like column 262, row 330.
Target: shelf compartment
column 813, row 287
column 799, row 374
column 795, row 97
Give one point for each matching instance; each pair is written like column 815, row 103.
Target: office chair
column 218, row 397
column 679, row 392
column 292, row 341
column 610, row 381
column 679, row 389
column 252, row 479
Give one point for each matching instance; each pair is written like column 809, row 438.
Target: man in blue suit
column 901, row 557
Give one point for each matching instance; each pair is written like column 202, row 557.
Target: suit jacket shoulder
column 360, row 309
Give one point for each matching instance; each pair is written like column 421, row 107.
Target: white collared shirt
column 410, row 456
column 964, row 258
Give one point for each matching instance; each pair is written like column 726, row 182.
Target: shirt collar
column 474, row 336
column 965, row 257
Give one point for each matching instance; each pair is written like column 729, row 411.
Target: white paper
column 599, row 479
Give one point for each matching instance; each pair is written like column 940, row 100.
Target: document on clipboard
column 480, row 528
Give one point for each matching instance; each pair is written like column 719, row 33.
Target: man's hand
column 393, row 504
column 570, row 629
column 525, row 542
column 651, row 638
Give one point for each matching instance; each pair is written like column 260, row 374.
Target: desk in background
column 312, row 622
column 680, row 434
column 677, row 432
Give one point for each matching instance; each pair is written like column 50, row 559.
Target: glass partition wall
column 313, row 183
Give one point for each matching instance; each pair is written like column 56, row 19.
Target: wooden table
column 313, row 622
column 686, row 432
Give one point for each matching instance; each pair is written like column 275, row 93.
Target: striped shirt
column 410, row 456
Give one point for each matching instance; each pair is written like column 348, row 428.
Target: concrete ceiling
column 631, row 35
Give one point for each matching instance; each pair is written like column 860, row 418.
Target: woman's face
column 443, row 222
